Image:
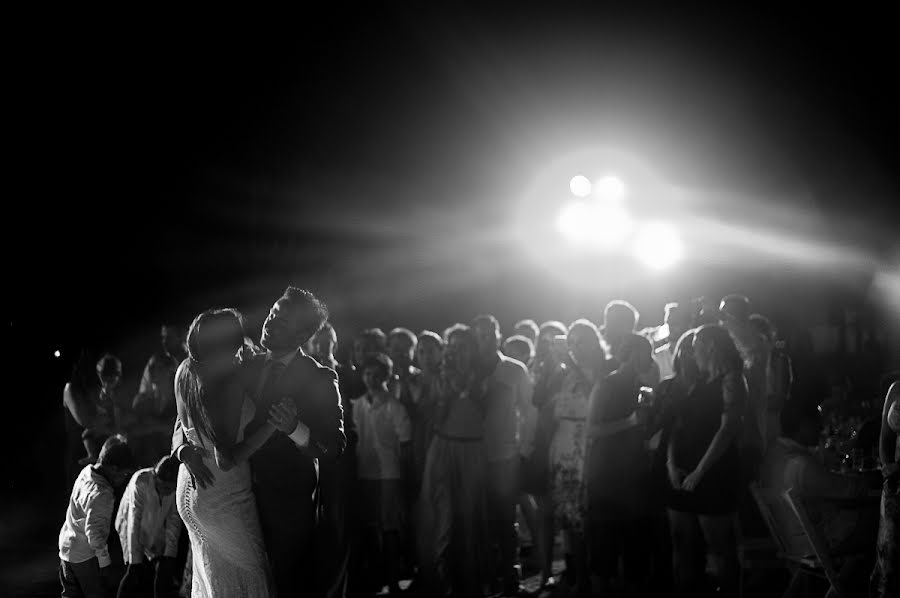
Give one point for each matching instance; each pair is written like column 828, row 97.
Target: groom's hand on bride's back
column 192, row 457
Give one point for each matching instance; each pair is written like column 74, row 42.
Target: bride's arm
column 228, row 452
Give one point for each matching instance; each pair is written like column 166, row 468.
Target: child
column 83, row 553
column 149, row 527
column 382, row 454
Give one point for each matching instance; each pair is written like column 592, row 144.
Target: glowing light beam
column 658, row 245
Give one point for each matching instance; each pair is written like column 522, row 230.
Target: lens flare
column 599, row 226
column 580, row 186
column 658, row 245
column 609, row 188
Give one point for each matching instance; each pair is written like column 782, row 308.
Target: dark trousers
column 625, row 540
column 150, row 579
column 83, row 580
column 333, row 537
column 288, row 518
column 502, row 496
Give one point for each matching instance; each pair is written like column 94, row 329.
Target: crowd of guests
column 638, row 446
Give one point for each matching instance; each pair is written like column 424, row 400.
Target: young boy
column 383, row 458
column 83, row 554
column 149, row 527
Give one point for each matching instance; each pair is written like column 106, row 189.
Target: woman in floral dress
column 567, row 448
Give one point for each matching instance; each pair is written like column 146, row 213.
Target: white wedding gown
column 229, row 557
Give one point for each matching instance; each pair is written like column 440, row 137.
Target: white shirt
column 85, row 532
column 148, row 524
column 383, row 425
column 665, row 360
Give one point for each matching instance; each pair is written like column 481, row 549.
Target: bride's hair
column 214, row 330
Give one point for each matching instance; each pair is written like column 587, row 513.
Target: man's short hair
column 406, row 333
column 109, row 365
column 621, row 307
column 381, row 362
column 763, row 325
column 557, row 327
column 116, row 453
column 376, row 335
column 528, row 324
column 523, row 343
column 583, row 324
column 167, row 469
column 314, row 313
column 487, row 320
column 736, row 306
column 430, row 336
column 463, row 332
column 635, row 344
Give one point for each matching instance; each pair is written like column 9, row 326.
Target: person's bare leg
column 548, row 537
column 720, row 533
column 532, row 514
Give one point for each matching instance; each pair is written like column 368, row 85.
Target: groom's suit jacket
column 313, row 388
column 285, row 475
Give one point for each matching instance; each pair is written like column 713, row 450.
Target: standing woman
column 229, row 556
column 567, row 446
column 703, row 462
column 888, row 551
column 549, row 377
column 452, row 517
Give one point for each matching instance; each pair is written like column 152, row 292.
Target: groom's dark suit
column 285, row 469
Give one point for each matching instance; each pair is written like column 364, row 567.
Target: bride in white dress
column 229, row 557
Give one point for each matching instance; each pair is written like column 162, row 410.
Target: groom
column 285, row 469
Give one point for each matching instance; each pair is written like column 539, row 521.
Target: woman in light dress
column 229, row 557
column 567, row 447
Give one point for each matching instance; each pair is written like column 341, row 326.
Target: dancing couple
column 250, row 431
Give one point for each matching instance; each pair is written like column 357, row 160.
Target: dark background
column 386, row 157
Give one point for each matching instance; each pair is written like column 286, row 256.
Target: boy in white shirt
column 382, row 463
column 83, row 552
column 149, row 527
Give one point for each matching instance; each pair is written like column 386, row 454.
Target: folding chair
column 795, row 554
column 819, row 545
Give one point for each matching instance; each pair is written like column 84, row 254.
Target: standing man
column 734, row 314
column 678, row 320
column 286, row 479
column 337, row 480
column 509, row 425
column 620, row 320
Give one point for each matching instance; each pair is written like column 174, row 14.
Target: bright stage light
column 57, row 353
column 609, row 188
column 580, row 186
column 602, row 226
column 658, row 245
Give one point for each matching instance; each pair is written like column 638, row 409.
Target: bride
column 229, row 557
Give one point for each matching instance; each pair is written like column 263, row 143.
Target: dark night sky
column 168, row 163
